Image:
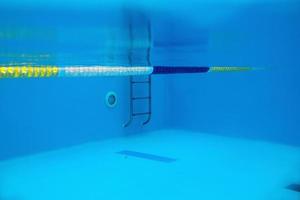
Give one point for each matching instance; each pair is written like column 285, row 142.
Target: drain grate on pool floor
column 147, row 156
column 294, row 187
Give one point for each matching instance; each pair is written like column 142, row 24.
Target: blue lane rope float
column 94, row 71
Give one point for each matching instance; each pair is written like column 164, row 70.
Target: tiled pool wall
column 262, row 104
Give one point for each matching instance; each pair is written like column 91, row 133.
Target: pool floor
column 169, row 164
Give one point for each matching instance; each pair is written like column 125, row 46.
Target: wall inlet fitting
column 111, row 99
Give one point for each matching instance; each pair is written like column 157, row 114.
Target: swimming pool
column 210, row 135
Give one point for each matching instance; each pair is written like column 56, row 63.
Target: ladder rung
column 140, row 82
column 143, row 113
column 138, row 98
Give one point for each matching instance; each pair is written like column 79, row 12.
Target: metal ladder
column 133, row 113
column 132, row 82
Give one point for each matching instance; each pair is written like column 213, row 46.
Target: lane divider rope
column 92, row 71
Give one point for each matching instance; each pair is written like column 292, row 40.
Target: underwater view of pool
column 149, row 100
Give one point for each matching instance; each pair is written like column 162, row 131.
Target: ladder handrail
column 150, row 102
column 131, row 79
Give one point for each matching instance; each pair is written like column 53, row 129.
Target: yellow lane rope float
column 88, row 71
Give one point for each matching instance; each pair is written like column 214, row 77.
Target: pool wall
column 39, row 115
column 263, row 104
column 46, row 114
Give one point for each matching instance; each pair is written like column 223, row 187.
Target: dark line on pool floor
column 147, row 156
column 294, row 187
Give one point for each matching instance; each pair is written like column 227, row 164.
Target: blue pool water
column 211, row 136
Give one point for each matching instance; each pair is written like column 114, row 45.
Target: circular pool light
column 111, row 99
